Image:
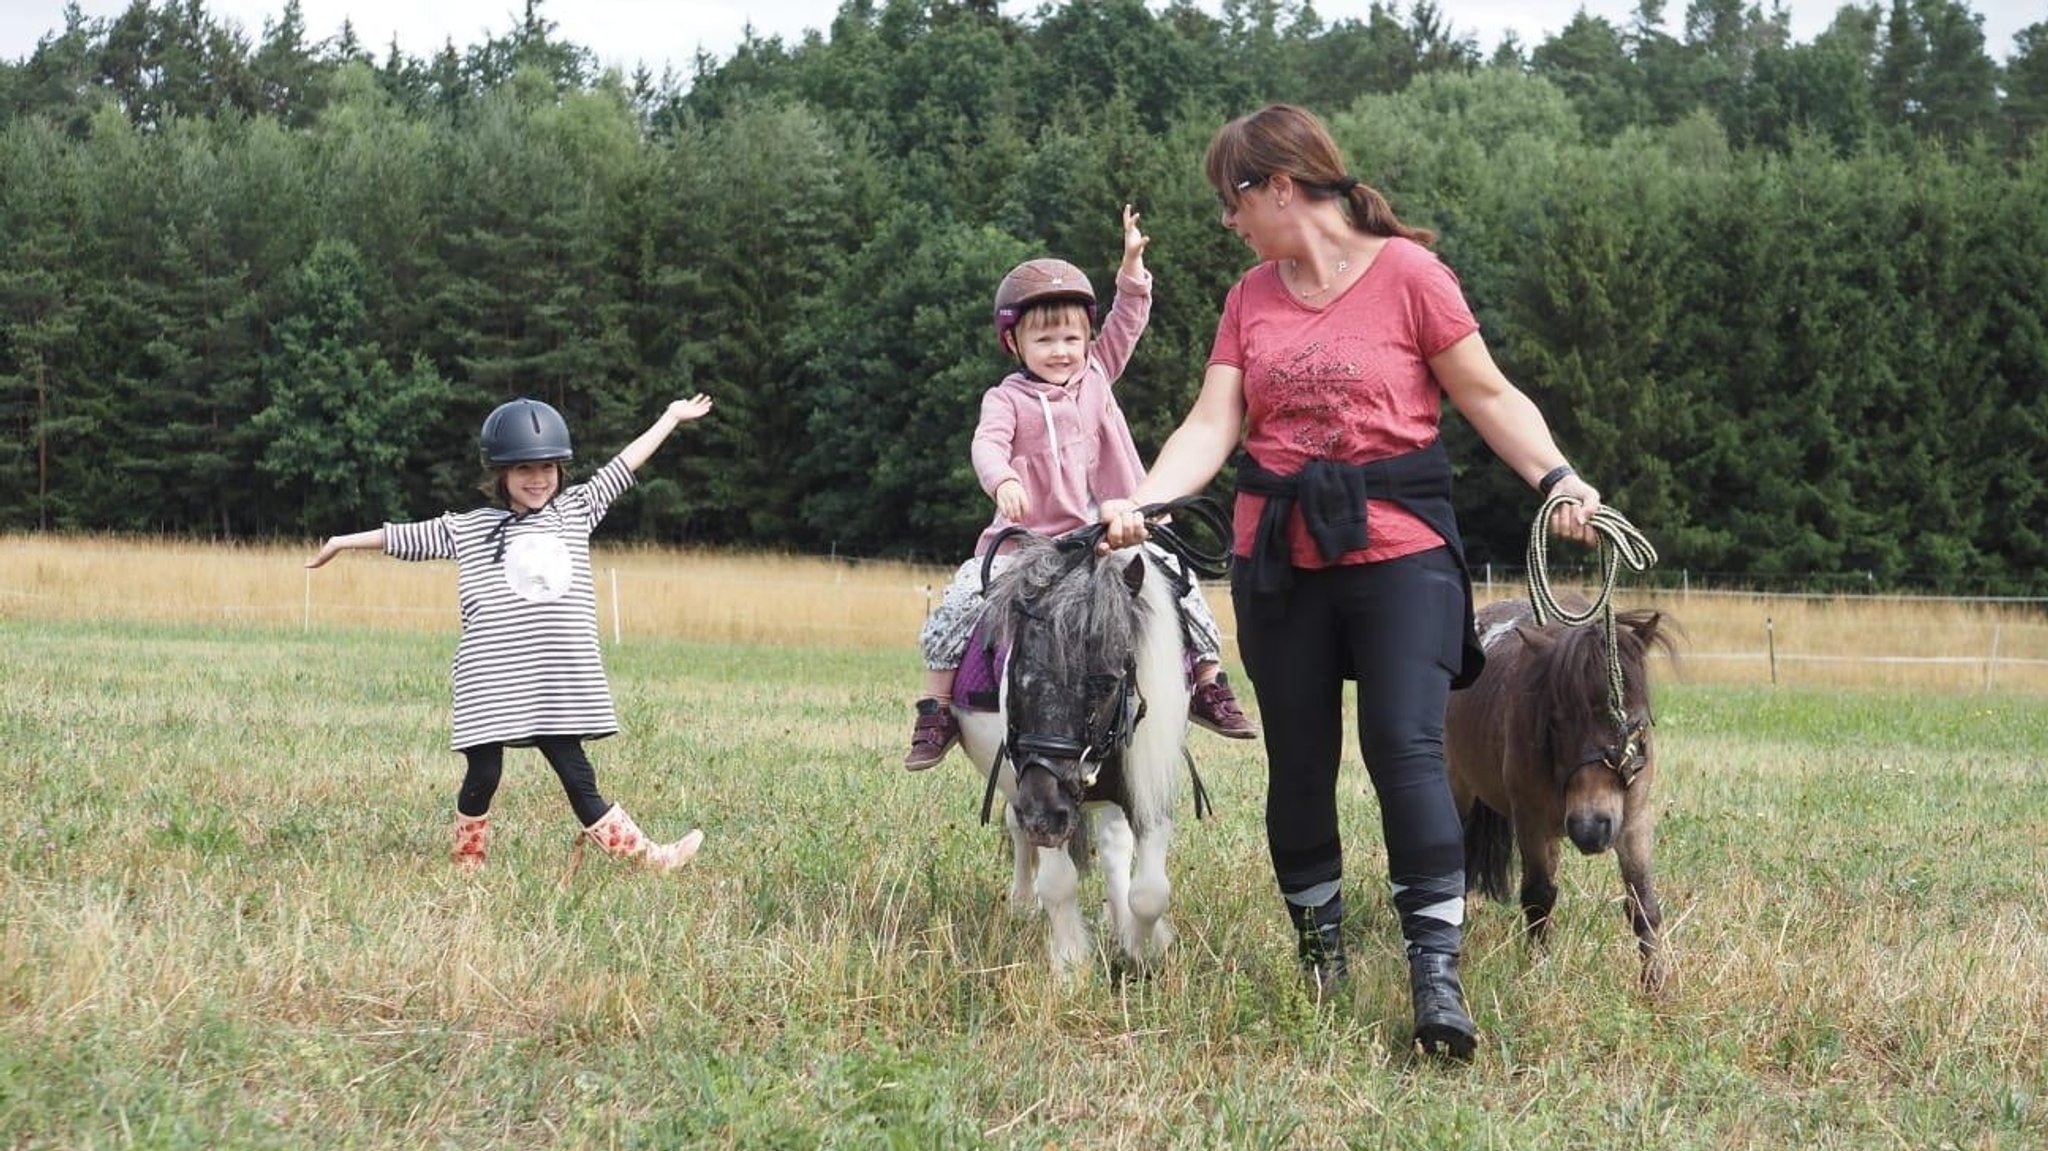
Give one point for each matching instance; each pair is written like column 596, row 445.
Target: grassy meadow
column 227, row 919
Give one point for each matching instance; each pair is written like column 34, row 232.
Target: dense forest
column 1787, row 303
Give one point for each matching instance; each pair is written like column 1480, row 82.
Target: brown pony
column 1536, row 754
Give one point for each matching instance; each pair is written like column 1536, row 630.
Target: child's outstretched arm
column 1134, row 245
column 1132, row 307
column 679, row 412
column 335, row 545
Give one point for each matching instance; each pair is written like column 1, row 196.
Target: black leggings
column 1397, row 628
column 564, row 753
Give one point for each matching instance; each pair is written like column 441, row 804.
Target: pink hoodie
column 1067, row 444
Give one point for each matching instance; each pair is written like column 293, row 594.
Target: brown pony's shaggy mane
column 1568, row 680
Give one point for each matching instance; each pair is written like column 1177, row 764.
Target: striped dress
column 527, row 664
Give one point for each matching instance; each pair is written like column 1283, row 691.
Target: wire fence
column 1944, row 642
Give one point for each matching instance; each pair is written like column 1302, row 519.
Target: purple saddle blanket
column 978, row 684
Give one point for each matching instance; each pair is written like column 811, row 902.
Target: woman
column 1330, row 363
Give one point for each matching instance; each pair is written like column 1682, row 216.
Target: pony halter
column 1620, row 543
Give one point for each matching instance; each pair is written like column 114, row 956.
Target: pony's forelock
column 1083, row 600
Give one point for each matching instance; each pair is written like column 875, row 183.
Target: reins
column 1078, row 546
column 1206, row 562
column 1620, row 543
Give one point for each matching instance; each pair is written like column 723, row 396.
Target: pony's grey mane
column 1094, row 619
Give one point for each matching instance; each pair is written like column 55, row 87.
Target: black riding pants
column 1396, row 627
column 564, row 753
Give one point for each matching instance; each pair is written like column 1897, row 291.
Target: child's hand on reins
column 1012, row 501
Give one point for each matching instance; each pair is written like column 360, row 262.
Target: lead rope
column 1620, row 543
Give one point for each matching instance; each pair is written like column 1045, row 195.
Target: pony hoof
column 1124, row 970
column 1659, row 978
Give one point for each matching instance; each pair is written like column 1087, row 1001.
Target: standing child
column 527, row 670
column 1052, row 444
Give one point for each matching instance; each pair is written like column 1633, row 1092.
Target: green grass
column 229, row 923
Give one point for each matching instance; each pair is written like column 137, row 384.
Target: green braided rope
column 1620, row 543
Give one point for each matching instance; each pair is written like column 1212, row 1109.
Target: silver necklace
column 1343, row 266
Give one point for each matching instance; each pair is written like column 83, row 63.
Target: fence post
column 616, row 632
column 1771, row 643
column 306, row 624
column 1993, row 661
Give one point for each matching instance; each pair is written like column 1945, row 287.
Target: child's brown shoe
column 1214, row 706
column 934, row 734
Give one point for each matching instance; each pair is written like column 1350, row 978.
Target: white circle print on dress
column 537, row 567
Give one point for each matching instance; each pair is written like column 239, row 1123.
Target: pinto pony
column 1089, row 734
column 1539, row 751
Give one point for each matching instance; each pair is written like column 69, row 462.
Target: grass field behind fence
column 815, row 602
column 227, row 921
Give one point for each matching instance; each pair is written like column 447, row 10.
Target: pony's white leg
column 1151, row 890
column 1023, row 900
column 1114, row 844
column 1059, row 892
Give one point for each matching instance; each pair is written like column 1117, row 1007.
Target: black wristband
column 1552, row 478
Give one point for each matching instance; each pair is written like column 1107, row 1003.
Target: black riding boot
column 1442, row 1026
column 1320, row 943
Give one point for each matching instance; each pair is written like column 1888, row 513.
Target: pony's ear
column 1646, row 627
column 1535, row 637
column 1134, row 573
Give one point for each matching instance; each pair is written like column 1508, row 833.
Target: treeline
column 1785, row 302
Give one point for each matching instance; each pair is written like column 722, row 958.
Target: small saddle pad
column 978, row 684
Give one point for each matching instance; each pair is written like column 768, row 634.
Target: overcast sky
column 625, row 32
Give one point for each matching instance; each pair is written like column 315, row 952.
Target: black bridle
column 1625, row 757
column 1111, row 709
column 1112, row 705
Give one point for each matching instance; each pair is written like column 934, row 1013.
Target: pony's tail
column 1489, row 844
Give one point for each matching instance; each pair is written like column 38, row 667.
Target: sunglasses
column 1237, row 192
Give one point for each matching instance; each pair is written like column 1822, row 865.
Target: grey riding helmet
column 524, row 431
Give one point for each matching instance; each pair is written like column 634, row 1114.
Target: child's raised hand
column 1134, row 239
column 328, row 551
column 683, row 411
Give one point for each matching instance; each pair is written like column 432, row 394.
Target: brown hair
column 1282, row 139
column 493, row 483
column 1066, row 313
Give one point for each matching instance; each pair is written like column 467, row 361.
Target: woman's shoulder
column 1259, row 282
column 1402, row 251
column 1264, row 274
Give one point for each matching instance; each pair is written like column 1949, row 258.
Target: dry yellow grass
column 1840, row 641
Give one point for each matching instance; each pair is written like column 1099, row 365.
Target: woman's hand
column 1125, row 524
column 328, row 551
column 1574, row 521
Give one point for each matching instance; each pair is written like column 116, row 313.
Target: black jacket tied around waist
column 1331, row 496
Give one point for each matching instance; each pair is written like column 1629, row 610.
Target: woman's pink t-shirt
column 1348, row 381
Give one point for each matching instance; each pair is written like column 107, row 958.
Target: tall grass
column 227, row 921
